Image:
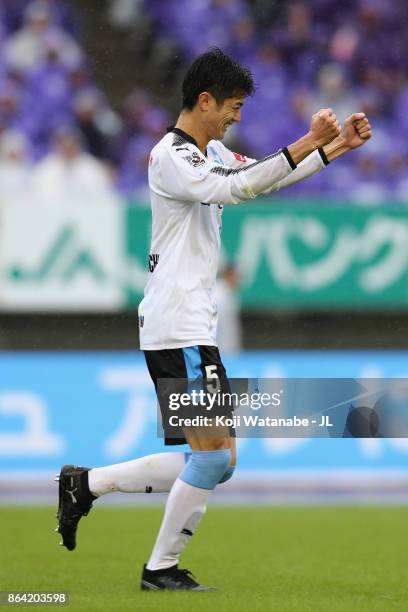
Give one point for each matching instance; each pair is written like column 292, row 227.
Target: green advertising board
column 308, row 257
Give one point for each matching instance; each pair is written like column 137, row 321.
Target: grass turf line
column 285, row 559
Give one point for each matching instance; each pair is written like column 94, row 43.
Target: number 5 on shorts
column 211, row 372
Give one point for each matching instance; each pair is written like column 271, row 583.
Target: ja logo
column 64, row 259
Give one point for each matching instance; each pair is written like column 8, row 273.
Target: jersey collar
column 183, row 135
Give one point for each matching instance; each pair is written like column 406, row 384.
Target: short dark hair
column 218, row 74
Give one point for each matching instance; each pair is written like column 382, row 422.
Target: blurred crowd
column 350, row 55
column 59, row 136
column 59, row 139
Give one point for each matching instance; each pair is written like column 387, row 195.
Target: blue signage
column 96, row 408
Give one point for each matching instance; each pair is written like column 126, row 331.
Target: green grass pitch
column 261, row 558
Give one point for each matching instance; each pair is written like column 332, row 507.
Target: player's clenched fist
column 356, row 130
column 324, row 127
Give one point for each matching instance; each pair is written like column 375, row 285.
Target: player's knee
column 205, row 469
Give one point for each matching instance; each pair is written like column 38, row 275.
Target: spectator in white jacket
column 15, row 169
column 70, row 176
column 24, row 49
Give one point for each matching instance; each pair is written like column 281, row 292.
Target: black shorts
column 183, row 364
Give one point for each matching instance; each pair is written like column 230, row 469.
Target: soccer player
column 192, row 175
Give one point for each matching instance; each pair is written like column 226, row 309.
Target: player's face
column 224, row 115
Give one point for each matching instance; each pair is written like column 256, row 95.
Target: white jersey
column 188, row 191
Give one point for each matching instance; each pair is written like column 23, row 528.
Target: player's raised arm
column 355, row 132
column 312, row 164
column 185, row 174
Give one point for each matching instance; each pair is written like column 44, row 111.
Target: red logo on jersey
column 240, row 157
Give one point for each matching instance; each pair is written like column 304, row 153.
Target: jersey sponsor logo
column 153, row 261
column 195, row 160
column 182, row 149
column 240, row 157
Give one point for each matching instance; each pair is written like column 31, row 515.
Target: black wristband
column 323, row 156
column 289, row 158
